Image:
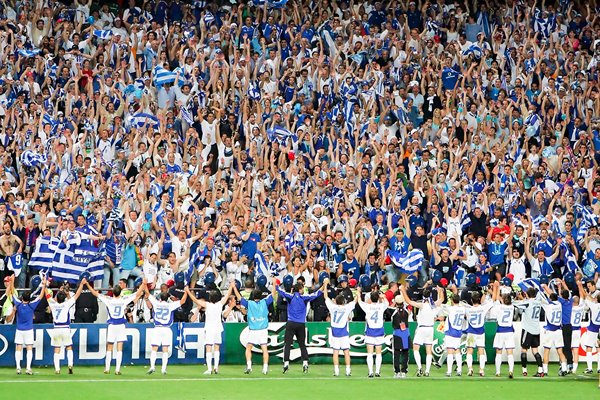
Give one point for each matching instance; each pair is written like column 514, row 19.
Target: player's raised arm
column 225, row 298
column 43, row 291
column 326, row 288
column 79, row 288
column 199, row 302
column 440, row 298
column 407, row 299
column 141, row 291
column 238, row 296
column 92, row 290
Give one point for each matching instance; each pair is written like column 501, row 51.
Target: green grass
column 182, row 382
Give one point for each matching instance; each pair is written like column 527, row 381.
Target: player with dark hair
column 339, row 338
column 530, row 308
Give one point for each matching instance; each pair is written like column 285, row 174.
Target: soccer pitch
column 183, row 381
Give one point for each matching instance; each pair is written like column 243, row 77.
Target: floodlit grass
column 184, row 382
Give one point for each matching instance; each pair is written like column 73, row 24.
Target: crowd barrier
column 89, row 342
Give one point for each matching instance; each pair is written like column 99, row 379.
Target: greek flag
column 30, row 158
column 187, row 117
column 180, row 337
column 43, row 254
column 103, row 34
column 281, row 135
column 538, row 220
column 571, row 260
column 449, row 78
column 277, row 3
column 254, row 91
column 409, row 263
column 588, row 219
column 474, row 50
column 533, row 124
column 433, row 27
column 162, row 76
column 139, row 120
column 29, row 53
column 70, row 262
column 402, row 115
column 529, row 283
column 262, row 266
column 541, row 25
column 465, row 221
column 209, row 18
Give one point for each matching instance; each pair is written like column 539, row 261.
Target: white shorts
column 342, row 343
column 504, row 340
column 423, row 335
column 589, row 339
column 258, row 337
column 371, row 340
column 116, row 334
column 60, row 337
column 24, row 337
column 576, row 338
column 212, row 337
column 475, row 340
column 552, row 339
column 452, row 342
column 161, row 336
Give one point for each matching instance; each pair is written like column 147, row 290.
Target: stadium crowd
column 237, row 140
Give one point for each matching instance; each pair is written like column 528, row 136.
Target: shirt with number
column 530, row 319
column 476, row 318
column 374, row 318
column 594, row 307
column 340, row 314
column 455, row 321
column 163, row 311
column 116, row 307
column 504, row 317
column 60, row 312
column 576, row 316
column 553, row 311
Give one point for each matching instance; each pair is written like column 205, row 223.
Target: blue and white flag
column 162, row 76
column 14, row 263
column 187, row 116
column 408, row 263
column 281, row 135
column 449, row 78
column 29, row 53
column 544, row 26
column 533, row 123
column 473, row 50
column 276, row 3
column 73, row 260
column 209, row 18
column 432, row 27
column 529, row 283
column 103, row 34
column 262, row 266
column 253, row 91
column 140, row 120
column 180, row 337
column 571, row 259
column 30, row 158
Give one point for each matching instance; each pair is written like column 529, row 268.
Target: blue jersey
column 15, row 263
column 258, row 312
column 25, row 313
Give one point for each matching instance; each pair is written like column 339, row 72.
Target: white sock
column 458, row 359
column 450, row 361
column 575, row 365
column 305, row 363
column 545, row 368
column 348, row 369
column 588, row 360
column 336, row 369
column 70, row 358
column 56, row 361
column 470, row 361
column 108, row 360
column 165, row 361
column 29, row 358
column 19, row 357
column 511, row 363
column 563, row 366
column 482, row 360
column 286, row 363
column 216, row 356
column 265, row 368
column 377, row 363
column 249, row 364
column 370, row 362
column 598, row 362
column 119, row 360
column 417, row 356
column 209, row 361
column 152, row 359
column 428, row 361
column 498, row 363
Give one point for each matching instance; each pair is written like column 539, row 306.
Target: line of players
column 460, row 319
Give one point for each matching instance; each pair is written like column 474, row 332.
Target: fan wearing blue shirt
column 24, row 309
column 349, row 265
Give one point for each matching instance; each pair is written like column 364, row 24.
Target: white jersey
column 213, row 320
column 504, row 316
column 373, row 317
column 577, row 315
column 340, row 315
column 476, row 317
column 455, row 320
column 553, row 311
column 116, row 307
column 163, row 311
column 594, row 307
column 60, row 311
column 427, row 314
column 531, row 310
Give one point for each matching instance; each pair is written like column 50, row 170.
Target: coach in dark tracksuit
column 401, row 337
column 296, row 322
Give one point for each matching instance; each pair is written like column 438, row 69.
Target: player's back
column 213, row 319
column 25, row 313
column 594, row 307
column 476, row 318
column 426, row 314
column 163, row 311
column 577, row 313
column 116, row 308
column 374, row 318
column 60, row 311
column 504, row 317
column 553, row 311
column 340, row 314
column 530, row 320
column 455, row 321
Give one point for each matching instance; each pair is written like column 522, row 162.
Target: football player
column 530, row 308
column 505, row 332
column 374, row 333
column 475, row 331
column 339, row 338
column 552, row 334
column 454, row 329
column 589, row 340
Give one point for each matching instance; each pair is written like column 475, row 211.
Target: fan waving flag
column 30, row 158
column 409, row 263
column 529, row 283
column 29, row 53
column 162, row 76
column 262, row 266
column 473, row 50
column 73, row 260
column 449, row 78
column 141, row 119
column 281, row 135
column 103, row 34
column 43, row 254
